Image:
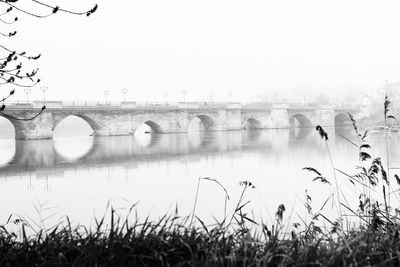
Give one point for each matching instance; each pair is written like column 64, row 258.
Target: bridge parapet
column 233, row 106
column 52, row 104
column 280, row 106
column 20, row 106
column 327, row 107
column 96, row 105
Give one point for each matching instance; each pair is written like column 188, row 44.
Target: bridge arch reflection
column 73, row 149
column 52, row 156
column 252, row 123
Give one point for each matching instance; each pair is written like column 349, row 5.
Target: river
column 79, row 176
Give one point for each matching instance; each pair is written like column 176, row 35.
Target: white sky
column 212, row 46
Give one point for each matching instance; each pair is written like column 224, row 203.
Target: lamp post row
column 44, row 89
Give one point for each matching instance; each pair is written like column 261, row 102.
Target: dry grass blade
column 310, row 169
column 355, row 213
column 351, row 142
column 353, row 121
column 386, row 106
column 322, row 179
column 216, row 181
column 355, row 180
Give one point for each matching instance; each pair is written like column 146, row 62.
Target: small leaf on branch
column 90, row 12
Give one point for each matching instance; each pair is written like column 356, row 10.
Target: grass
column 170, row 242
column 370, row 238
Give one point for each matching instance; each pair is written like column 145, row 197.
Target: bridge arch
column 342, row 119
column 7, row 142
column 8, row 128
column 155, row 127
column 89, row 121
column 299, row 120
column 201, row 123
column 251, row 123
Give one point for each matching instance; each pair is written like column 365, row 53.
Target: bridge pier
column 278, row 118
column 112, row 124
column 325, row 117
column 233, row 118
column 39, row 128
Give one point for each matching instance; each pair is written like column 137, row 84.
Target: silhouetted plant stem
column 386, row 116
column 225, row 204
column 336, row 182
column 387, row 158
column 195, row 202
column 237, row 205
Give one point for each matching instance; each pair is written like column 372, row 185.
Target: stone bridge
column 123, row 118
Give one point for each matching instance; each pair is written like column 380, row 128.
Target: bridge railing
column 173, row 105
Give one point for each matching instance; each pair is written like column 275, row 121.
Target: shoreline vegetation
column 371, row 238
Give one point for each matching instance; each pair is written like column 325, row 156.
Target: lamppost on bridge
column 184, row 92
column 211, row 97
column 27, row 92
column 230, row 96
column 124, row 91
column 165, row 93
column 44, row 90
column 106, row 93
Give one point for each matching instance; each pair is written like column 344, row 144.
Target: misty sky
column 210, row 47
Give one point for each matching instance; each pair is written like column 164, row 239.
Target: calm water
column 79, row 176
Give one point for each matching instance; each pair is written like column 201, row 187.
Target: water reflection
column 74, row 152
column 33, row 154
column 73, row 149
column 163, row 169
column 7, row 148
column 300, row 133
